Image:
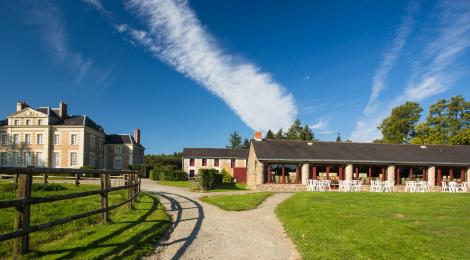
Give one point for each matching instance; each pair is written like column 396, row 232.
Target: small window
column 191, row 162
column 204, row 162
column 16, row 139
column 118, row 149
column 28, row 122
column 56, row 139
column 39, row 121
column 232, row 163
column 27, row 139
column 16, row 122
column 191, row 173
column 73, row 139
column 73, row 159
column 216, row 162
column 39, row 139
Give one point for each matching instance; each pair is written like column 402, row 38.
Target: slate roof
column 120, row 139
column 215, row 153
column 80, row 121
column 4, row 122
column 270, row 150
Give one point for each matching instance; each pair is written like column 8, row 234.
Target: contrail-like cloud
column 176, row 36
column 436, row 70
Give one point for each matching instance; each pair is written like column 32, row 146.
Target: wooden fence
column 24, row 200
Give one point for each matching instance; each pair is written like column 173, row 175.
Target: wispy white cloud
column 176, row 36
column 434, row 73
column 49, row 19
column 321, row 127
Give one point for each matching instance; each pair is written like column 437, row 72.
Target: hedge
column 210, row 178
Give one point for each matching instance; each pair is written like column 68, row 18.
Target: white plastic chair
column 463, row 187
column 444, row 187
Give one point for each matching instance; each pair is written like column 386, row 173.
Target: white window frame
column 56, row 142
column 3, row 159
column 39, row 121
column 56, row 159
column 16, row 122
column 92, row 141
column 16, row 139
column 28, row 159
column 73, row 141
column 4, row 139
column 117, row 159
column 73, row 161
column 14, row 159
column 118, row 150
column 27, row 122
column 27, row 140
column 39, row 160
column 39, row 139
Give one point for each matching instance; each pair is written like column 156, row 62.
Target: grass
column 82, row 238
column 378, row 226
column 237, row 202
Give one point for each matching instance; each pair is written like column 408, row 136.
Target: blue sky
column 190, row 72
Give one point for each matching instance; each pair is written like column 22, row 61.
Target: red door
column 240, row 174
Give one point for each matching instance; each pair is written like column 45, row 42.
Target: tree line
column 447, row 122
column 295, row 132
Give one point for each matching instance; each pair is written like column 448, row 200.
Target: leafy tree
column 462, row 138
column 399, row 127
column 447, row 123
column 246, row 143
column 235, row 141
column 338, row 138
column 270, row 135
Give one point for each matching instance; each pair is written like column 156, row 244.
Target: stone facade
column 224, row 163
column 431, row 176
column 254, row 170
column 349, row 172
column 391, row 174
column 49, row 137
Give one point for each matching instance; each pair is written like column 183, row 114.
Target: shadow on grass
column 175, row 201
column 124, row 248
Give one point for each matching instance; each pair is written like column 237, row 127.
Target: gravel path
column 203, row 231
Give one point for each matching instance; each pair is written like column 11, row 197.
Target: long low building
column 287, row 165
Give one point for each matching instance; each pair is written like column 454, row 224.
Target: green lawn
column 69, row 240
column 237, row 202
column 378, row 225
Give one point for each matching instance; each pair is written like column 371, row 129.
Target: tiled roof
column 121, row 139
column 362, row 152
column 215, row 153
column 80, row 121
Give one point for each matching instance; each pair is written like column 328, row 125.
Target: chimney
column 137, row 135
column 62, row 110
column 258, row 136
column 20, row 105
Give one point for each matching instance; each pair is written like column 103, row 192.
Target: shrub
column 227, row 178
column 173, row 176
column 86, row 167
column 154, row 175
column 210, row 178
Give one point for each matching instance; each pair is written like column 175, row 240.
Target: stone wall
column 281, row 187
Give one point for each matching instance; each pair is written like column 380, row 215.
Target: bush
column 154, row 175
column 210, row 178
column 227, row 178
column 174, row 176
column 86, row 167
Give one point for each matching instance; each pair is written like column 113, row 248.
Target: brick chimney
column 62, row 110
column 20, row 105
column 258, row 136
column 137, row 135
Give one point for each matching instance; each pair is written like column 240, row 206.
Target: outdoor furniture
column 463, row 187
column 319, row 185
column 452, row 186
column 444, row 187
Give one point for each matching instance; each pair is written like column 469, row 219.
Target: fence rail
column 24, row 199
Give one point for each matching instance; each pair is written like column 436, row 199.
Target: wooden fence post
column 77, row 180
column 129, row 190
column 22, row 217
column 45, row 178
column 104, row 196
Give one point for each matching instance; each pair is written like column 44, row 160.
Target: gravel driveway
column 203, row 231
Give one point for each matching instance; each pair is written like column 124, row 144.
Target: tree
column 400, row 126
column 235, row 141
column 447, row 123
column 306, row 134
column 338, row 138
column 246, row 143
column 270, row 135
column 280, row 135
column 295, row 130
